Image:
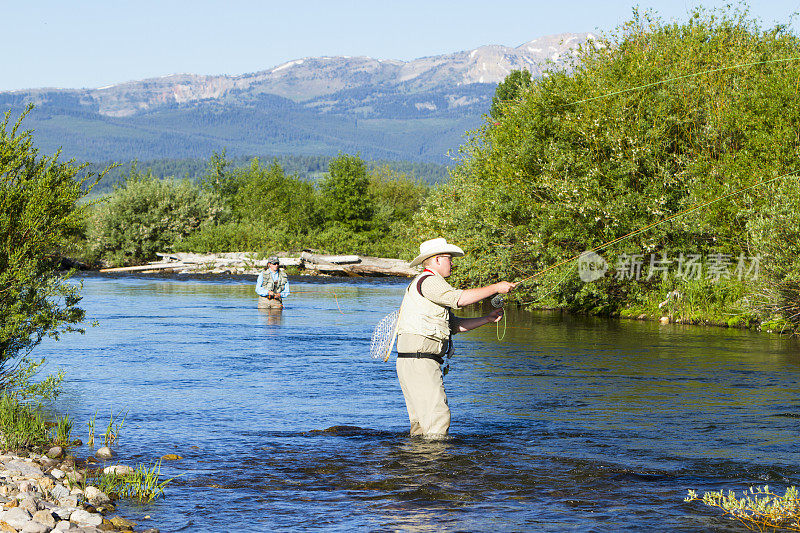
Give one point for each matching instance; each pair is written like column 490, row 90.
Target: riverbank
column 243, row 263
column 52, row 492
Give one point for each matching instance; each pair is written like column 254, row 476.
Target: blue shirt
column 262, row 291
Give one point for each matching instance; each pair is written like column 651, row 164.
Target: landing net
column 383, row 336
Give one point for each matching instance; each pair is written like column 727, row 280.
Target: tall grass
column 144, row 484
column 21, row 424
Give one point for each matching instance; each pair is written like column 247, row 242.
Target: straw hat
column 436, row 247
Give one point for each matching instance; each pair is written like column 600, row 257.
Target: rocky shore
column 53, row 492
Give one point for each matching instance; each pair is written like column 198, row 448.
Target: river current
column 284, row 422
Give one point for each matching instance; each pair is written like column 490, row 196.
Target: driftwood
column 246, row 263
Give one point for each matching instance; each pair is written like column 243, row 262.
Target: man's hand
column 504, row 287
column 496, row 315
column 270, row 294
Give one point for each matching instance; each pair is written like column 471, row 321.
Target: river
column 566, row 423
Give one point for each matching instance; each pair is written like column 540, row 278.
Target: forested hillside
column 305, row 167
column 262, row 126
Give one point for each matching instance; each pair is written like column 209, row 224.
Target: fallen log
column 149, row 266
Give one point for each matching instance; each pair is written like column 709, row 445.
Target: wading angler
column 425, row 328
column 272, row 285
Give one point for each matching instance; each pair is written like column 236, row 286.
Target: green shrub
column 146, row 215
column 625, row 139
column 774, row 233
column 40, row 215
column 759, row 509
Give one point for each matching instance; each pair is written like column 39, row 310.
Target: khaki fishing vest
column 275, row 286
column 423, row 326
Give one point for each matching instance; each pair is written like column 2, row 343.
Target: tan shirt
column 423, row 325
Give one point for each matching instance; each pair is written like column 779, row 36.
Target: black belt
column 420, row 355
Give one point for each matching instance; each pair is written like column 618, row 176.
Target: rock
column 57, row 473
column 45, row 517
column 151, row 530
column 35, row 527
column 171, row 457
column 68, row 501
column 11, row 503
column 55, row 452
column 85, row 518
column 104, row 453
column 664, row 320
column 59, row 491
column 5, row 527
column 118, row 470
column 16, row 517
column 122, row 523
column 63, row 512
column 24, row 468
column 96, row 496
column 45, row 483
column 107, row 526
column 63, row 525
column 29, row 504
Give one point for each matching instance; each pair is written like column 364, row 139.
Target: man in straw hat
column 424, row 330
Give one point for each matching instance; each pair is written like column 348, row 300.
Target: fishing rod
column 657, row 223
column 685, row 76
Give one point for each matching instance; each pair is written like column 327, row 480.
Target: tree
column 651, row 121
column 509, row 90
column 39, row 213
column 345, row 192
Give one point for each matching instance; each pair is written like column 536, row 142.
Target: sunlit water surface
column 566, row 424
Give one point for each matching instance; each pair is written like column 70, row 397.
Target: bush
column 144, row 216
column 758, row 510
column 625, row 139
column 40, row 215
column 773, row 233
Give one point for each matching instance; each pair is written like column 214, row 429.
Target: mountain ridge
column 416, row 110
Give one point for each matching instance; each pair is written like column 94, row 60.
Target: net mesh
column 383, row 336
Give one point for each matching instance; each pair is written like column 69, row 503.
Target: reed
column 91, row 423
column 113, row 429
column 63, row 434
column 144, row 484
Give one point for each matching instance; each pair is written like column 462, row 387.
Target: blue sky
column 95, row 43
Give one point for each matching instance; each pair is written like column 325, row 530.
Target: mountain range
column 415, row 110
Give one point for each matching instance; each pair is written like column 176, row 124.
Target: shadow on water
column 566, row 424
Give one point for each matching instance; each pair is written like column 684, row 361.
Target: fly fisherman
column 425, row 326
column 272, row 285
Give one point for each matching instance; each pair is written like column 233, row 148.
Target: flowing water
column 284, row 422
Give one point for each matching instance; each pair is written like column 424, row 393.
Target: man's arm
column 466, row 324
column 285, row 292
column 260, row 290
column 470, row 296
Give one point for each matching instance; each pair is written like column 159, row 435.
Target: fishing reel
column 498, row 301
